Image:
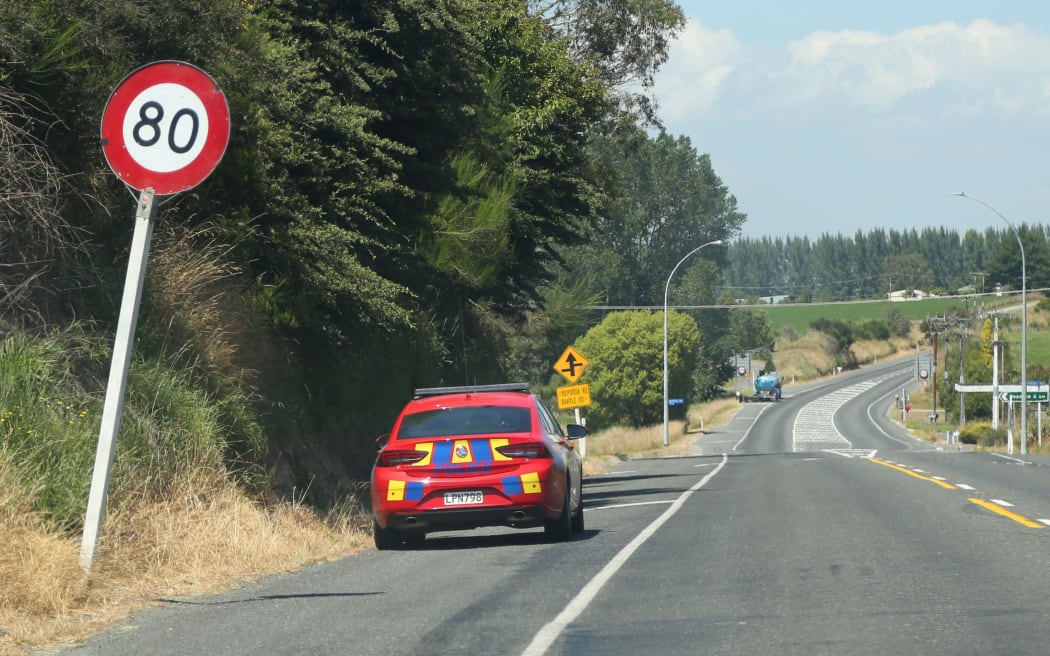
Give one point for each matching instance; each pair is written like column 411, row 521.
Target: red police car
column 483, row 455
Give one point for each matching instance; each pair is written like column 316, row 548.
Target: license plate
column 464, row 498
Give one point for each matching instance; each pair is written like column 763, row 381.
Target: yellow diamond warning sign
column 574, row 396
column 571, row 364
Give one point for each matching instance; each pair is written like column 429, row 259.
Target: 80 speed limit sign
column 166, row 127
column 164, row 130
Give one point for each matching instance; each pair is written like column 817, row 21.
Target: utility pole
column 962, row 397
column 933, row 374
column 995, row 371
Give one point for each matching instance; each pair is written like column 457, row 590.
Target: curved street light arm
column 667, row 288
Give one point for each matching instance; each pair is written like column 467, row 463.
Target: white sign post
column 164, row 130
column 118, row 376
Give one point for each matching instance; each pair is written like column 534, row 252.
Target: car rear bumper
column 466, row 518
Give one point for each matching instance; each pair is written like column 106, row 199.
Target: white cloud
column 701, row 60
column 864, row 68
column 1004, row 67
column 978, row 68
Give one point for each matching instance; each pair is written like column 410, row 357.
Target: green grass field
column 800, row 316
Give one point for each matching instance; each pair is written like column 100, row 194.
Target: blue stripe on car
column 512, row 485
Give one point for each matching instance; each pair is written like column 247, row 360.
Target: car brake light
column 395, row 457
column 531, row 450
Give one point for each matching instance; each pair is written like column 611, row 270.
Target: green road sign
column 1016, row 396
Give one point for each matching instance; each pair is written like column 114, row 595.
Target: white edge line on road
column 549, row 633
column 627, row 505
column 882, row 399
column 747, row 433
column 1011, row 459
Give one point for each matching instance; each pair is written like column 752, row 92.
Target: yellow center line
column 987, row 505
column 947, row 486
column 999, row 510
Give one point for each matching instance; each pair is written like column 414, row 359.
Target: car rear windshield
column 465, row 421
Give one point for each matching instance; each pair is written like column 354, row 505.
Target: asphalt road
column 808, row 526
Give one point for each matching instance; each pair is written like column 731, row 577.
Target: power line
column 720, row 306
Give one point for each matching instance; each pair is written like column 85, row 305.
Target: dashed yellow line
column 999, row 510
column 987, row 505
column 947, row 486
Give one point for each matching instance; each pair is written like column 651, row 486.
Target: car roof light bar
column 471, row 389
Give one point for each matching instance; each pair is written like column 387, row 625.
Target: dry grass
column 812, row 355
column 192, row 281
column 804, row 358
column 613, row 445
column 150, row 551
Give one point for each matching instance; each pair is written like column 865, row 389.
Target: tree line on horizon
column 872, row 264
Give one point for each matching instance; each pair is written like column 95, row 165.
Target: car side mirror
column 576, row 431
column 381, row 441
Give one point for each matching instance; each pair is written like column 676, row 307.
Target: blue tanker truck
column 768, row 386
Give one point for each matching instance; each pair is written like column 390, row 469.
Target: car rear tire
column 560, row 529
column 577, row 519
column 385, row 538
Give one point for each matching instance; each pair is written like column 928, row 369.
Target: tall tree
column 910, row 271
column 668, row 201
column 626, row 41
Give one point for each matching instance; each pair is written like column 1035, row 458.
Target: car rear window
column 477, row 420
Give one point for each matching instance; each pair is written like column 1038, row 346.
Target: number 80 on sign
column 166, row 127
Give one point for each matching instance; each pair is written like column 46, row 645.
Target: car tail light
column 531, row 450
column 395, row 457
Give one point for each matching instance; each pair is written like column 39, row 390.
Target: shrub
column 874, row 329
column 982, row 434
column 626, row 370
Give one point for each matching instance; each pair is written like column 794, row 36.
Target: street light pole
column 667, row 287
column 1024, row 325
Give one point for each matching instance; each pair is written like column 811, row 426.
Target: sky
column 832, row 116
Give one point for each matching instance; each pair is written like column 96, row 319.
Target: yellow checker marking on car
column 429, row 448
column 530, row 483
column 395, row 491
column 496, row 444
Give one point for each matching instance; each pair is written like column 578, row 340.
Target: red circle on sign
column 151, row 127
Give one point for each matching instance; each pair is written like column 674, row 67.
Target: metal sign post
column 118, row 376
